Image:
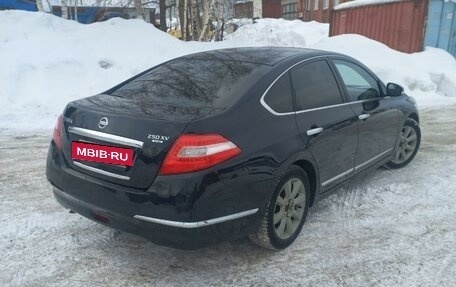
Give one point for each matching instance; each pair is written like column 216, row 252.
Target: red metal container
column 399, row 25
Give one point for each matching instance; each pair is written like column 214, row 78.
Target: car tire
column 286, row 211
column 409, row 143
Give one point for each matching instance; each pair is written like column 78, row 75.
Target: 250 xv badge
column 157, row 138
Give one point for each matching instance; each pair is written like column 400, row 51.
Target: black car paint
column 269, row 143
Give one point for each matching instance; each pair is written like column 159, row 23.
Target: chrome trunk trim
column 106, row 137
column 100, row 171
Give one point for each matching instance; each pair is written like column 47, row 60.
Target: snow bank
column 280, row 32
column 46, row 61
column 359, row 3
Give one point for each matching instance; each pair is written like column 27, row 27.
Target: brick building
column 306, row 10
column 316, row 10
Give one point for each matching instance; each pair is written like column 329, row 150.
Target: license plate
column 102, row 153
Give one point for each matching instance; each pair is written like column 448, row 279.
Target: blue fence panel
column 86, row 15
column 441, row 26
column 27, row 5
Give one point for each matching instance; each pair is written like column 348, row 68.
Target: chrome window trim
column 106, row 137
column 271, row 110
column 328, row 107
column 197, row 224
column 262, row 101
column 339, row 176
column 100, row 171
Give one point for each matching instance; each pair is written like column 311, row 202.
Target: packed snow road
column 389, row 228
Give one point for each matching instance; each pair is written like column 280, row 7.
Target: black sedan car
column 228, row 143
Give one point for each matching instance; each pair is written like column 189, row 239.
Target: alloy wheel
column 289, row 208
column 407, row 145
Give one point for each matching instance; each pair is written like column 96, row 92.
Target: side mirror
column 394, row 90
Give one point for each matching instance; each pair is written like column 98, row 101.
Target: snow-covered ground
column 280, row 32
column 389, row 228
column 46, row 61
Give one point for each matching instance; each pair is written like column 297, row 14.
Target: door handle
column 363, row 116
column 314, row 131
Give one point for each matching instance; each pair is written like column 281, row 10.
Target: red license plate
column 102, row 153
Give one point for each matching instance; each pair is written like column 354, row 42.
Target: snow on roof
column 359, row 3
column 115, row 3
column 99, row 3
column 242, row 1
column 95, row 3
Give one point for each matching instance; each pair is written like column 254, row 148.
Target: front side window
column 315, row 86
column 359, row 83
column 279, row 96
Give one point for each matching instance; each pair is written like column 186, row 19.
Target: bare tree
column 65, row 9
column 39, row 5
column 164, row 6
column 194, row 19
column 140, row 13
column 183, row 9
column 187, row 4
column 218, row 19
column 225, row 10
column 76, row 10
column 208, row 19
column 204, row 20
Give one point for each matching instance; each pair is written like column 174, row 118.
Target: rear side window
column 315, row 86
column 279, row 96
column 189, row 82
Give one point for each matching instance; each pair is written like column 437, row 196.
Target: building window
column 325, row 4
column 336, row 2
column 290, row 11
column 243, row 10
column 308, row 5
column 315, row 4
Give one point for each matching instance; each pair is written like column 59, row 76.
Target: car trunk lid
column 115, row 122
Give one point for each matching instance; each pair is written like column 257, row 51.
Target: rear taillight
column 192, row 152
column 57, row 136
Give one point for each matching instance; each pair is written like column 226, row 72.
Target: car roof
column 259, row 55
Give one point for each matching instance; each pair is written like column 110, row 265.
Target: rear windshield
column 192, row 82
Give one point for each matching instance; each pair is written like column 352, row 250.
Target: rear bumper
column 185, row 212
column 176, row 237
